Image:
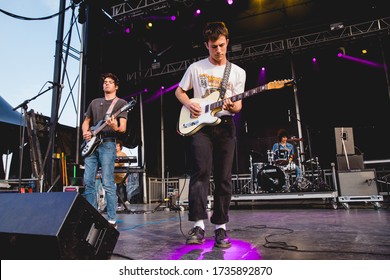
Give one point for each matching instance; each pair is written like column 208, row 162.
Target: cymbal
column 295, row 139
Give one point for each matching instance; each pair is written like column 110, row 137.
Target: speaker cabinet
column 354, row 162
column 357, row 183
column 55, row 225
column 183, row 190
column 344, row 140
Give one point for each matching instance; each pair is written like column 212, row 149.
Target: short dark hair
column 112, row 76
column 120, row 143
column 213, row 30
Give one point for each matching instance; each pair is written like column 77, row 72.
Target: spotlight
column 197, row 12
column 340, row 51
column 336, row 26
column 230, row 2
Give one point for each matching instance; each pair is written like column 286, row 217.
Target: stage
column 259, row 230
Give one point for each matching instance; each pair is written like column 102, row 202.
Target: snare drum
column 281, row 157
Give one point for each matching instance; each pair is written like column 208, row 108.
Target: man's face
column 109, row 85
column 217, row 49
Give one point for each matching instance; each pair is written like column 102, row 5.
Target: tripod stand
column 23, row 106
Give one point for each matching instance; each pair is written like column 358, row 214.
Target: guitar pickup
column 185, row 125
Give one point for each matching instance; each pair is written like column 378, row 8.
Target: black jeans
column 212, row 151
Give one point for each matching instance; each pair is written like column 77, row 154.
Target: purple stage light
column 240, row 250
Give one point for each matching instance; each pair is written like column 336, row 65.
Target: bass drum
column 271, row 179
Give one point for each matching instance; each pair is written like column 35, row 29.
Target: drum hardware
column 270, row 156
column 251, row 185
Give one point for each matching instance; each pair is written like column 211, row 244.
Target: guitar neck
column 240, row 96
column 100, row 128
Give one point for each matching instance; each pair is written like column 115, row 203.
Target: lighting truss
column 137, row 8
column 293, row 44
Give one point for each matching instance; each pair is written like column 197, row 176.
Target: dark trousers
column 212, row 151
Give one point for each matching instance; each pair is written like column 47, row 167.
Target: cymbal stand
column 250, row 185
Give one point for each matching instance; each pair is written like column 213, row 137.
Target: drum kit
column 276, row 175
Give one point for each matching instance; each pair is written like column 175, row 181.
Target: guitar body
column 188, row 125
column 89, row 147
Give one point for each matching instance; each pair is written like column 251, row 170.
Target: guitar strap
column 109, row 111
column 225, row 79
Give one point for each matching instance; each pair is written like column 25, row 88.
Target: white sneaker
column 127, row 203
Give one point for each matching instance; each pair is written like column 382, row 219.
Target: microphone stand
column 23, row 107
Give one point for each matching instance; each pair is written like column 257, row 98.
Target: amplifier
column 357, row 183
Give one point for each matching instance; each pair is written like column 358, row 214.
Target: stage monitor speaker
column 54, row 225
column 344, row 137
column 357, row 183
column 354, row 162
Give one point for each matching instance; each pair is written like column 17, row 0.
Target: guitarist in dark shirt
column 101, row 116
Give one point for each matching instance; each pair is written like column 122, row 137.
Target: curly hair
column 282, row 133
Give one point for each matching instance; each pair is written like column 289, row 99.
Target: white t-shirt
column 204, row 78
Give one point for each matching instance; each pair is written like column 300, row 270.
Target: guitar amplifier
column 357, row 183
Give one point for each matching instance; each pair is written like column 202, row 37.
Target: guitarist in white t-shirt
column 212, row 146
column 104, row 115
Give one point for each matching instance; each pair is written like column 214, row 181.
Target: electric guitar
column 88, row 147
column 188, row 125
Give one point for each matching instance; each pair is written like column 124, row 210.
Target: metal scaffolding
column 253, row 50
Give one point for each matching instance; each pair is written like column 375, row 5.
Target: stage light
column 236, row 48
column 230, row 2
column 340, row 51
column 364, row 51
column 149, row 25
column 197, row 12
column 314, row 60
column 336, row 26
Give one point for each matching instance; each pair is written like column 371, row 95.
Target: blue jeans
column 104, row 156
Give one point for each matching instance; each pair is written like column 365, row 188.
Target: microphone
column 56, row 84
column 289, row 116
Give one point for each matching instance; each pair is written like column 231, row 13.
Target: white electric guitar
column 188, row 125
column 88, row 147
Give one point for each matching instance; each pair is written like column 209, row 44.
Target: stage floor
column 267, row 230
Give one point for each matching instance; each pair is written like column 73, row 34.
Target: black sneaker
column 221, row 239
column 195, row 236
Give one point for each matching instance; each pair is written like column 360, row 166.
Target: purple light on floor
column 240, row 250
column 363, row 61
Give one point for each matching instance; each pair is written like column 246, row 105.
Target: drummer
column 284, row 153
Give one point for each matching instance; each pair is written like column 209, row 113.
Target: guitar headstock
column 129, row 105
column 280, row 84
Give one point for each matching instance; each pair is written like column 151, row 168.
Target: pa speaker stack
column 55, row 225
